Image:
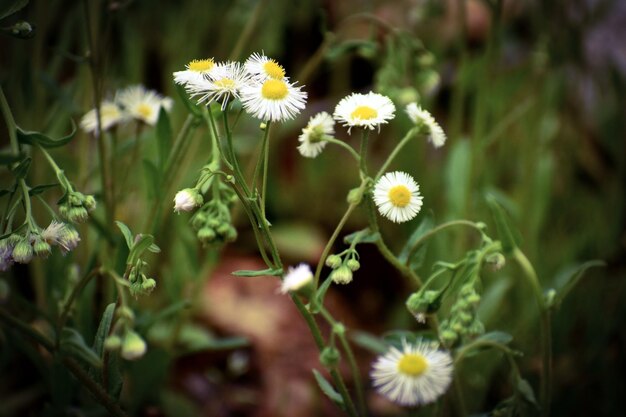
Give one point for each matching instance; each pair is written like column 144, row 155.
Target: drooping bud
column 341, row 275
column 133, row 346
column 329, row 357
column 41, row 248
column 353, row 264
column 333, row 261
column 23, row 251
column 187, row 200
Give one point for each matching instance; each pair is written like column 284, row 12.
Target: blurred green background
column 531, row 95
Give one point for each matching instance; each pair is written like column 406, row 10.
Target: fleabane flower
column 110, row 115
column 418, row 374
column 222, row 83
column 58, row 233
column 187, row 200
column 397, row 196
column 421, row 117
column 312, row 139
column 143, row 104
column 263, row 68
column 272, row 99
column 296, row 278
column 364, row 110
column 195, row 71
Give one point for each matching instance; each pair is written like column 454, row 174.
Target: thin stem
column 363, row 152
column 346, row 147
column 266, row 156
column 436, row 230
column 10, row 122
column 409, row 135
column 26, row 197
column 247, row 31
column 213, row 129
column 236, row 169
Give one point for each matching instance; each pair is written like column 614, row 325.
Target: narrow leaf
column 526, row 391
column 73, row 344
column 508, row 235
column 365, row 236
column 37, row 138
column 13, row 7
column 568, row 279
column 318, row 299
column 41, row 188
column 21, row 170
column 369, row 341
column 152, row 177
column 142, row 243
column 416, row 255
column 327, row 388
column 128, row 235
column 259, row 273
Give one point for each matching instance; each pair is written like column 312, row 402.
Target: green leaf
column 276, row 272
column 192, row 107
column 41, row 188
column 142, row 243
column 369, row 341
column 72, row 343
column 114, row 376
column 103, row 329
column 8, row 158
column 21, row 170
column 153, row 178
column 318, row 299
column 508, row 235
column 164, row 137
column 417, row 255
column 567, row 280
column 501, row 338
column 37, row 138
column 12, row 7
column 458, row 170
column 526, row 391
column 327, row 388
column 128, row 235
column 365, row 236
column 154, row 248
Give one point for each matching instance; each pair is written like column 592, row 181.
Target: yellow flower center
column 144, row 110
column 364, row 113
column 200, row 65
column 274, row 90
column 274, row 70
column 412, row 364
column 399, row 196
column 225, row 83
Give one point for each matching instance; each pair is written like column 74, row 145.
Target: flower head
column 262, row 67
column 187, row 200
column 365, row 110
column 312, row 139
column 423, row 118
column 417, row 374
column 195, row 71
column 397, row 196
column 6, row 253
column 143, row 104
column 296, row 278
column 222, row 83
column 273, row 99
column 61, row 234
column 110, row 115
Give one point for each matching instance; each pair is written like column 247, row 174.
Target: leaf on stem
column 276, row 272
column 327, row 388
column 509, row 236
column 318, row 299
column 38, row 138
column 364, row 236
column 73, row 344
column 21, row 169
column 128, row 235
column 416, row 256
column 368, row 341
column 567, row 280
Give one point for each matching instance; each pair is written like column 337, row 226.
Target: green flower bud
column 112, row 342
column 133, row 346
column 449, row 337
column 339, row 329
column 355, row 196
column 465, row 318
column 213, row 222
column 23, row 251
column 206, row 234
column 353, row 264
column 148, row 285
column 416, row 303
column 41, row 248
column 341, row 275
column 477, row 328
column 329, row 357
column 90, row 203
column 222, row 229
column 231, row 234
column 333, row 261
column 76, row 199
column 199, row 220
column 457, row 327
column 77, row 214
column 473, row 299
column 497, row 261
column 125, row 313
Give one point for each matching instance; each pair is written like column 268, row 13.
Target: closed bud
column 113, row 342
column 213, row 222
column 329, row 357
column 125, row 313
column 133, row 346
column 148, row 285
column 187, row 200
column 449, row 337
column 353, row 264
column 333, row 261
column 222, row 229
column 77, row 214
column 90, row 203
column 206, row 234
column 41, row 248
column 477, row 328
column 76, row 199
column 497, row 261
column 355, row 196
column 23, row 251
column 231, row 234
column 341, row 275
column 199, row 220
column 465, row 318
column 68, row 238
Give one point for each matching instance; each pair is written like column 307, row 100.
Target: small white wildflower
column 187, row 200
column 142, row 104
column 195, row 71
column 262, row 67
column 397, row 196
column 312, row 137
column 417, row 374
column 364, row 110
column 272, row 99
column 110, row 115
column 223, row 83
column 422, row 117
column 296, row 278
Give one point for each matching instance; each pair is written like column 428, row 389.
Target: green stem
column 436, row 230
column 29, row 215
column 363, row 152
column 546, row 336
column 233, row 157
column 60, row 174
column 409, row 135
column 10, row 122
column 247, row 31
column 345, row 146
column 213, row 129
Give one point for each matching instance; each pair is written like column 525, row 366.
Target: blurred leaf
column 349, row 46
column 192, row 107
column 526, row 390
column 259, row 273
column 37, row 138
column 318, row 298
column 12, row 7
column 508, row 235
column 103, row 329
column 154, row 248
column 152, row 177
column 164, row 137
column 41, row 188
column 327, row 388
column 178, row 405
column 72, row 343
column 458, row 170
column 498, row 337
column 21, row 170
column 192, row 338
column 128, row 235
column 114, row 377
column 369, row 341
column 298, row 240
column 495, row 339
column 8, row 158
column 417, row 257
column 567, row 280
column 163, row 314
column 365, row 236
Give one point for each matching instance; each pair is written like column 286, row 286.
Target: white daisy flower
column 417, row 374
column 397, row 196
column 365, row 110
column 296, row 278
column 262, row 67
column 422, row 117
column 222, row 83
column 143, row 104
column 273, row 100
column 194, row 72
column 312, row 139
column 110, row 115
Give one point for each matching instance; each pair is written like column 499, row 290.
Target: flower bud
column 353, row 264
column 125, row 313
column 76, row 199
column 231, row 234
column 133, row 346
column 90, row 203
column 222, row 229
column 448, row 337
column 41, row 247
column 148, row 285
column 333, row 261
column 112, row 342
column 77, row 214
column 187, row 200
column 329, row 357
column 341, row 275
column 23, row 251
column 206, row 234
column 68, row 238
column 497, row 261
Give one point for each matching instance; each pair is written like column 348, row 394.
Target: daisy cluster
column 131, row 103
column 260, row 83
